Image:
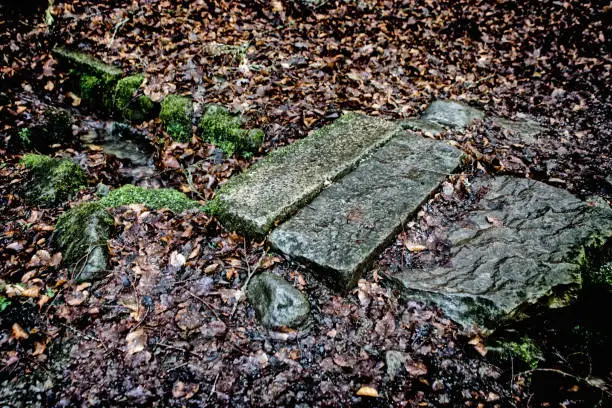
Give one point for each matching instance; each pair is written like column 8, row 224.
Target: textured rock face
column 277, row 302
column 526, row 130
column 451, row 114
column 341, row 231
column 518, row 252
column 81, row 234
column 290, row 177
column 54, row 180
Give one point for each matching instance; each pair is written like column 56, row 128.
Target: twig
column 201, row 357
column 208, row 305
column 117, row 27
column 250, row 275
column 214, row 387
column 563, row 374
column 87, row 336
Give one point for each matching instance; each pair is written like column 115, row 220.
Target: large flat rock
column 344, row 228
column 290, row 177
column 517, row 253
column 451, row 114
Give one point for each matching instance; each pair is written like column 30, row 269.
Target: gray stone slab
column 341, row 231
column 525, row 129
column 290, row 177
column 517, row 253
column 451, row 114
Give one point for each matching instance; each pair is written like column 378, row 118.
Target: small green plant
column 25, row 137
column 178, row 132
column 50, row 292
column 176, row 114
column 4, row 303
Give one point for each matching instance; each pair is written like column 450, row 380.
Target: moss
column 127, row 104
column 25, row 137
column 525, row 350
column 54, row 180
column 224, row 130
column 176, row 114
column 97, row 91
column 154, row 198
column 86, row 64
column 80, row 228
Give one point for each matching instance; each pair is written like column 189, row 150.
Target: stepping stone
column 525, row 129
column 451, row 114
column 341, row 231
column 290, row 177
column 520, row 251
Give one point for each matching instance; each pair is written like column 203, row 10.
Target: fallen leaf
column 136, row 341
column 18, row 333
column 367, row 392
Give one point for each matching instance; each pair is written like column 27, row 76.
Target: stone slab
column 341, row 231
column 525, row 129
column 290, row 177
column 451, row 114
column 517, row 253
column 86, row 63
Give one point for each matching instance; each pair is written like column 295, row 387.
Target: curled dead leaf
column 367, row 392
column 136, row 341
column 18, row 333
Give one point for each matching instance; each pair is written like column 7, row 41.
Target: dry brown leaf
column 136, row 341
column 367, row 392
column 18, row 333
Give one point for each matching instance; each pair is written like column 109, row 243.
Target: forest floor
column 170, row 330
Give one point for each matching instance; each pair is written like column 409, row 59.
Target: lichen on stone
column 54, row 180
column 175, row 201
column 81, row 234
column 176, row 114
column 224, row 130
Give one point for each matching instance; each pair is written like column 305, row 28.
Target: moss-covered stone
column 224, row 130
column 128, row 104
column 54, row 180
column 97, row 91
column 81, row 234
column 176, row 114
column 86, row 64
column 175, row 201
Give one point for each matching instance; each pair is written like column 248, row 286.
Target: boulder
column 524, row 248
column 81, row 234
column 276, row 302
column 53, row 180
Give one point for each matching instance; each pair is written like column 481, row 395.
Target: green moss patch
column 127, row 103
column 523, row 353
column 86, row 64
column 175, row 201
column 176, row 114
column 225, row 131
column 54, row 180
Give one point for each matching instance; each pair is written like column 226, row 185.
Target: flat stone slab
column 451, row 114
column 519, row 252
column 341, row 231
column 525, row 129
column 290, row 177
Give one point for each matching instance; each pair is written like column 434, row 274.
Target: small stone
column 81, row 234
column 216, row 328
column 526, row 130
column 395, row 361
column 451, row 114
column 54, row 180
column 276, row 302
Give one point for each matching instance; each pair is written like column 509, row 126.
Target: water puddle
column 129, row 145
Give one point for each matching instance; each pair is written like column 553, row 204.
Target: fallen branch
column 588, row 381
